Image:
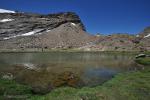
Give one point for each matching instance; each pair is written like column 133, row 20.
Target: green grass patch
column 11, row 89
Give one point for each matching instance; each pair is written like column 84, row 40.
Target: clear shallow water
column 54, row 69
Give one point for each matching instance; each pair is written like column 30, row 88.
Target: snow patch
column 137, row 35
column 25, row 34
column 147, row 35
column 48, row 30
column 10, row 37
column 6, row 20
column 30, row 33
column 6, row 11
column 73, row 24
column 44, row 18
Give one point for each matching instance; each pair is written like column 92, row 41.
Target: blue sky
column 99, row 16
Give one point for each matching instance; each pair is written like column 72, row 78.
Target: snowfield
column 31, row 33
column 25, row 34
column 73, row 24
column 6, row 11
column 6, row 20
column 147, row 35
column 137, row 35
column 48, row 30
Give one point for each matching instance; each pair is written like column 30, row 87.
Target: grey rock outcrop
column 27, row 30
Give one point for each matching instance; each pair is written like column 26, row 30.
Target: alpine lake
column 47, row 71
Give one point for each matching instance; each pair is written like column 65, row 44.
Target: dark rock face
column 25, row 30
column 23, row 22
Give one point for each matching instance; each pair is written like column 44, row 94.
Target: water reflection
column 93, row 77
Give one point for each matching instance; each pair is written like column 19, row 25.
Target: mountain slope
column 27, row 30
column 62, row 30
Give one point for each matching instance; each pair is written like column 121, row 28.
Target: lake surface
column 55, row 69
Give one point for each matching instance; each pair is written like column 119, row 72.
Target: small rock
column 140, row 56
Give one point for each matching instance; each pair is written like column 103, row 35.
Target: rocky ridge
column 27, row 30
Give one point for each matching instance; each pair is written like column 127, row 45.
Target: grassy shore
column 124, row 86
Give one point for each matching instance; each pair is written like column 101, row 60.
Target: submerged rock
column 8, row 76
column 67, row 79
column 27, row 66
